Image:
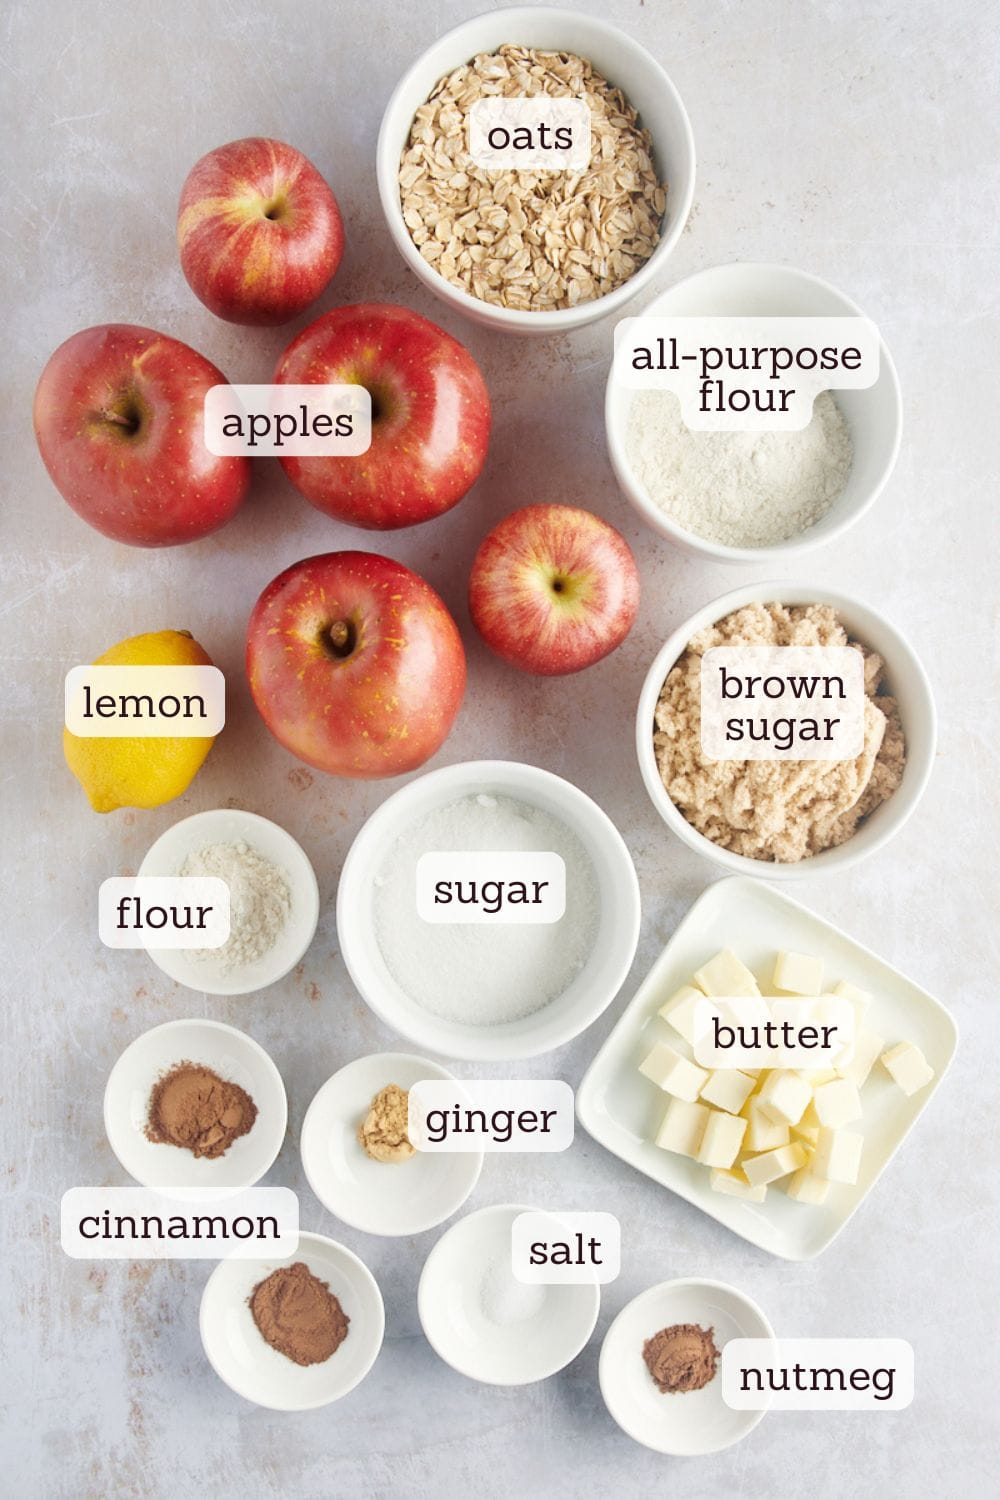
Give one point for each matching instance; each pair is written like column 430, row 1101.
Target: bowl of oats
column 539, row 249
column 789, row 815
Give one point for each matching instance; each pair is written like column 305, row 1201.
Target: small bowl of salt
column 486, row 1323
column 273, row 895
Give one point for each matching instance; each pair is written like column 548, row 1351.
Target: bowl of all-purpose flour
column 506, row 985
column 273, row 897
column 754, row 496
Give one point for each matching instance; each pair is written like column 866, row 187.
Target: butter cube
column 673, row 1073
column 735, row 1185
column 860, row 999
column 727, row 1088
column 798, row 974
column 815, row 1076
column 837, row 1156
column 683, row 1127
column 679, row 1011
column 774, row 1164
column 908, row 1067
column 836, row 1104
column 804, row 1187
column 785, row 1097
column 720, row 1145
column 867, row 1047
column 807, row 1134
column 762, row 1132
column 726, row 975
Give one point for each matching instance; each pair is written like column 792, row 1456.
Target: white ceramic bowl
column 234, row 1056
column 390, row 1198
column 690, row 1422
column 874, row 416
column 624, row 63
column 450, row 1304
column 907, row 682
column 241, row 1357
column 594, row 987
column 230, row 825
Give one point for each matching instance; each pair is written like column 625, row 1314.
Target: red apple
column 553, row 589
column 355, row 664
column 259, row 232
column 119, row 424
column 430, row 415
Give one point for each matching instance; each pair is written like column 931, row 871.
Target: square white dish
column 621, row 1109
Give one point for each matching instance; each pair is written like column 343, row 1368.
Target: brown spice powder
column 681, row 1358
column 192, row 1107
column 298, row 1315
column 382, row 1132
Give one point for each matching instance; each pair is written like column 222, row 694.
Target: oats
column 531, row 240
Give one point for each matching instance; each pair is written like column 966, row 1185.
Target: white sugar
column 484, row 974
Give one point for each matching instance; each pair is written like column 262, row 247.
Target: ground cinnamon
column 298, row 1315
column 194, row 1108
column 681, row 1358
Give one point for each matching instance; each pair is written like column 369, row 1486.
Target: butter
column 837, row 1156
column 673, row 1073
column 736, row 1186
column 726, row 975
column 682, row 1127
column 774, row 1164
column 728, row 1089
column 837, row 1104
column 804, row 1187
column 762, row 1132
column 679, row 1011
column 867, row 1047
column 798, row 974
column 785, row 1097
column 908, row 1067
column 720, row 1145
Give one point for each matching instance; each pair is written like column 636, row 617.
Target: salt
column 503, row 1299
column 481, row 974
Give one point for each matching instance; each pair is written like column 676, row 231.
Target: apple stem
column 342, row 637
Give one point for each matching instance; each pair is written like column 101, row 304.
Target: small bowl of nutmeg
column 538, row 250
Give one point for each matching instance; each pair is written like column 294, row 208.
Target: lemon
column 140, row 771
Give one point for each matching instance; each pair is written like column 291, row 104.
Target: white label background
column 268, row 403
column 166, row 891
column 279, row 1203
column 485, row 866
column 824, row 1354
column 180, row 682
column 530, row 1228
column 786, row 663
column 493, row 1097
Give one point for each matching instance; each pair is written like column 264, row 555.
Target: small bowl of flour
column 754, row 496
column 273, row 899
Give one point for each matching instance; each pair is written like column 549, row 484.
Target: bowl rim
column 676, row 1283
column 787, row 592
column 367, row 1278
column 490, row 1210
column 306, row 892
column 514, row 319
column 244, row 1040
column 494, row 1044
column 806, row 541
column 475, row 1157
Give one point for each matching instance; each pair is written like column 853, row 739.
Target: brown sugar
column 192, row 1107
column 681, row 1358
column 298, row 1315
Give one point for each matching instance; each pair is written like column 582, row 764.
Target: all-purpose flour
column 478, row 973
column 741, row 489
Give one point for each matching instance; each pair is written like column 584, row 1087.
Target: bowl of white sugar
column 488, row 910
column 754, row 496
